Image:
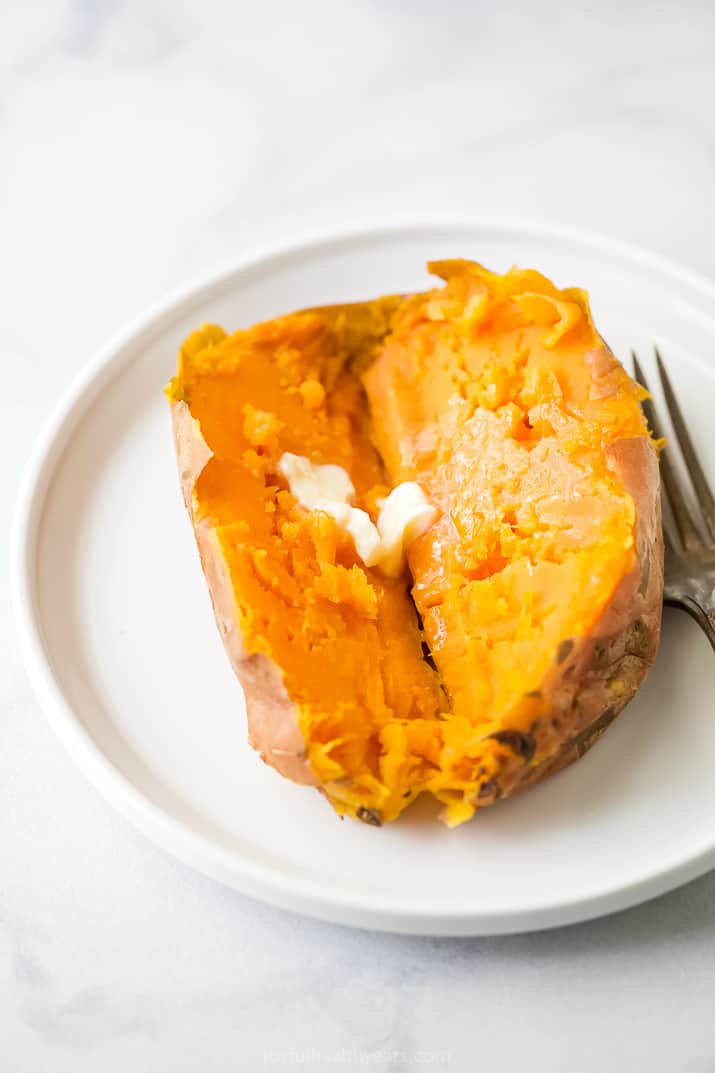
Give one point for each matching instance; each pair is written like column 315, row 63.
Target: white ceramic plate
column 121, row 646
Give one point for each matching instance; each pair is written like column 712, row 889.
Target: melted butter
column 405, row 513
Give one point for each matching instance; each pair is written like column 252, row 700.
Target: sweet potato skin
column 272, row 717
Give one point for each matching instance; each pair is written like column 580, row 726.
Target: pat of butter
column 404, row 515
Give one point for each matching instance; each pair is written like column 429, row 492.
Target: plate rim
column 271, row 883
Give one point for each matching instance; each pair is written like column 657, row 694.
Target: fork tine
column 702, row 489
column 669, row 543
column 689, row 535
column 647, row 404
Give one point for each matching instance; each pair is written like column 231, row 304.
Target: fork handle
column 705, row 618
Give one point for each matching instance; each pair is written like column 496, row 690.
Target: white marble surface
column 140, row 143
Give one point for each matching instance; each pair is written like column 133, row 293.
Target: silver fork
column 689, row 541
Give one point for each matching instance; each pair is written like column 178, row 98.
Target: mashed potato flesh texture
column 345, row 637
column 496, row 395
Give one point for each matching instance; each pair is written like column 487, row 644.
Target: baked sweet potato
column 527, row 614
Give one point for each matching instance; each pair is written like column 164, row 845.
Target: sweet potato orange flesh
column 496, row 394
column 346, row 640
column 499, row 397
